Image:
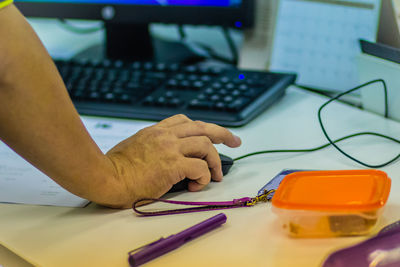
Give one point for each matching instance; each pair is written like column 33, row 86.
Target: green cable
column 333, row 142
column 316, row 148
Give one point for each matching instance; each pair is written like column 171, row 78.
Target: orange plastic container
column 331, row 203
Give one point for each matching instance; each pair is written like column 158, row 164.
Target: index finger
column 217, row 134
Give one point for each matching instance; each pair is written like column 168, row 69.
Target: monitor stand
column 132, row 42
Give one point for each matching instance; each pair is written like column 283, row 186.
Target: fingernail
column 237, row 140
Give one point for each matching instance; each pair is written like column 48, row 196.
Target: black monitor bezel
column 192, row 15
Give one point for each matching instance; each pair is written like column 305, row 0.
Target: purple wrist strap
column 200, row 206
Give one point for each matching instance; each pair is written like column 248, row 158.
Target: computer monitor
column 127, row 21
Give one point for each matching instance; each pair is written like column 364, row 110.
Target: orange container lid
column 343, row 190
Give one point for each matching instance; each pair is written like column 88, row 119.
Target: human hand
column 150, row 162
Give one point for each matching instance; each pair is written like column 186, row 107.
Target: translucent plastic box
column 331, row 203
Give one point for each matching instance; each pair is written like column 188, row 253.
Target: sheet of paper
column 20, row 182
column 318, row 39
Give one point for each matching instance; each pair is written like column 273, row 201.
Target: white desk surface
column 97, row 236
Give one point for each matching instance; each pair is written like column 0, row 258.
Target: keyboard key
column 220, row 106
column 174, row 102
column 215, row 97
column 169, row 94
column 209, row 91
column 123, row 98
column 200, row 104
column 228, row 99
column 238, row 103
column 201, row 96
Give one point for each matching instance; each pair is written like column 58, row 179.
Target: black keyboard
column 154, row 91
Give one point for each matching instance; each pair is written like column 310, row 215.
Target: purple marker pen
column 165, row 245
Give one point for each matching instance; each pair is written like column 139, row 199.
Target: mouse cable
column 333, row 142
column 320, row 147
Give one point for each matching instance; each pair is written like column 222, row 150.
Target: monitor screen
column 126, row 21
column 196, row 12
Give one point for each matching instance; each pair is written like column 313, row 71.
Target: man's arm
column 39, row 122
column 37, row 117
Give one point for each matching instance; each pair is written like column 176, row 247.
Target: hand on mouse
column 39, row 122
column 151, row 161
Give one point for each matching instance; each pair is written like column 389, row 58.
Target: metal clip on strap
column 200, row 206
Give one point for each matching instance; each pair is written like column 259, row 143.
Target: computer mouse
column 226, row 163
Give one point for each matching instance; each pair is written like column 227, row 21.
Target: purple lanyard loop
column 201, row 206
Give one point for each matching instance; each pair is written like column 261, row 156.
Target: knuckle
column 200, row 124
column 156, row 135
column 181, row 117
column 205, row 141
column 204, row 166
column 159, row 131
column 166, row 140
column 172, row 162
column 207, row 177
column 168, row 146
column 223, row 133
